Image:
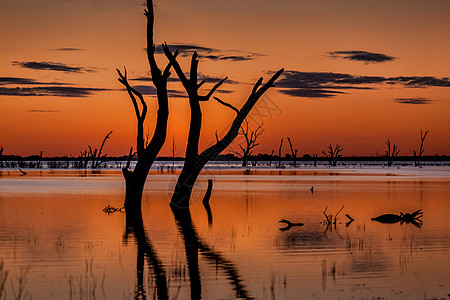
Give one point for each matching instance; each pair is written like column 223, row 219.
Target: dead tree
column 39, row 161
column 391, row 153
column 146, row 153
column 1, row 156
column 96, row 155
column 250, row 141
column 279, row 153
column 194, row 162
column 418, row 156
column 174, row 148
column 333, row 154
column 271, row 158
column 293, row 152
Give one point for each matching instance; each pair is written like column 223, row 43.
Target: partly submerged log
column 402, row 217
column 388, row 218
column 289, row 224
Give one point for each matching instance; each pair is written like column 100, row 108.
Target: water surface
column 54, row 234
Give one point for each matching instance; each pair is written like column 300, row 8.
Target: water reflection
column 194, row 246
column 55, row 225
column 145, row 249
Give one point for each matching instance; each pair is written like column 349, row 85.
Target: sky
column 356, row 73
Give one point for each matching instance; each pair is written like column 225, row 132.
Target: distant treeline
column 232, row 157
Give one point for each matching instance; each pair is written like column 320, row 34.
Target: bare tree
column 293, row 152
column 174, row 148
column 271, row 158
column 391, row 153
column 194, row 162
column 333, row 154
column 279, row 153
column 418, row 156
column 250, row 141
column 146, row 152
column 1, row 155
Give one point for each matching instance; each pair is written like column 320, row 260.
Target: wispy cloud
column 363, row 56
column 327, row 84
column 414, row 100
column 67, row 49
column 42, row 111
column 206, row 78
column 50, row 66
column 58, row 91
column 212, row 53
column 25, row 81
column 151, row 90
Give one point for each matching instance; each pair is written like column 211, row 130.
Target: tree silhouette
column 194, row 162
column 333, row 154
column 391, row 153
column 146, row 152
column 293, row 152
column 250, row 141
column 418, row 156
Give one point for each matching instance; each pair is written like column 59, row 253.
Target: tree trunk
column 183, row 188
column 134, row 187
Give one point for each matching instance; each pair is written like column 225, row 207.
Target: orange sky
column 65, row 54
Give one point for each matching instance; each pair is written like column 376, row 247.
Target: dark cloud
column 201, row 77
column 211, row 53
column 413, row 100
column 58, row 91
column 42, row 111
column 420, row 81
column 151, row 90
column 311, row 93
column 68, row 49
column 327, row 84
column 25, row 81
column 364, row 56
column 51, row 67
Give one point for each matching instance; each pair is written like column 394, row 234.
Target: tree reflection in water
column 194, row 246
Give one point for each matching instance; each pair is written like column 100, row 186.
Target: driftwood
column 413, row 218
column 350, row 220
column 111, row 209
column 329, row 218
column 289, row 224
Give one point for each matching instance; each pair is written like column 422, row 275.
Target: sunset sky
column 356, row 72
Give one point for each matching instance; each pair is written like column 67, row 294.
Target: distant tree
column 250, row 141
column 391, row 153
column 93, row 156
column 1, row 156
column 333, row 154
column 174, row 148
column 271, row 158
column 418, row 156
column 279, row 153
column 293, row 152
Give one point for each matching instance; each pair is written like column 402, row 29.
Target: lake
column 57, row 243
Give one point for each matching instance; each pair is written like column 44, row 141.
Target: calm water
column 55, row 237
